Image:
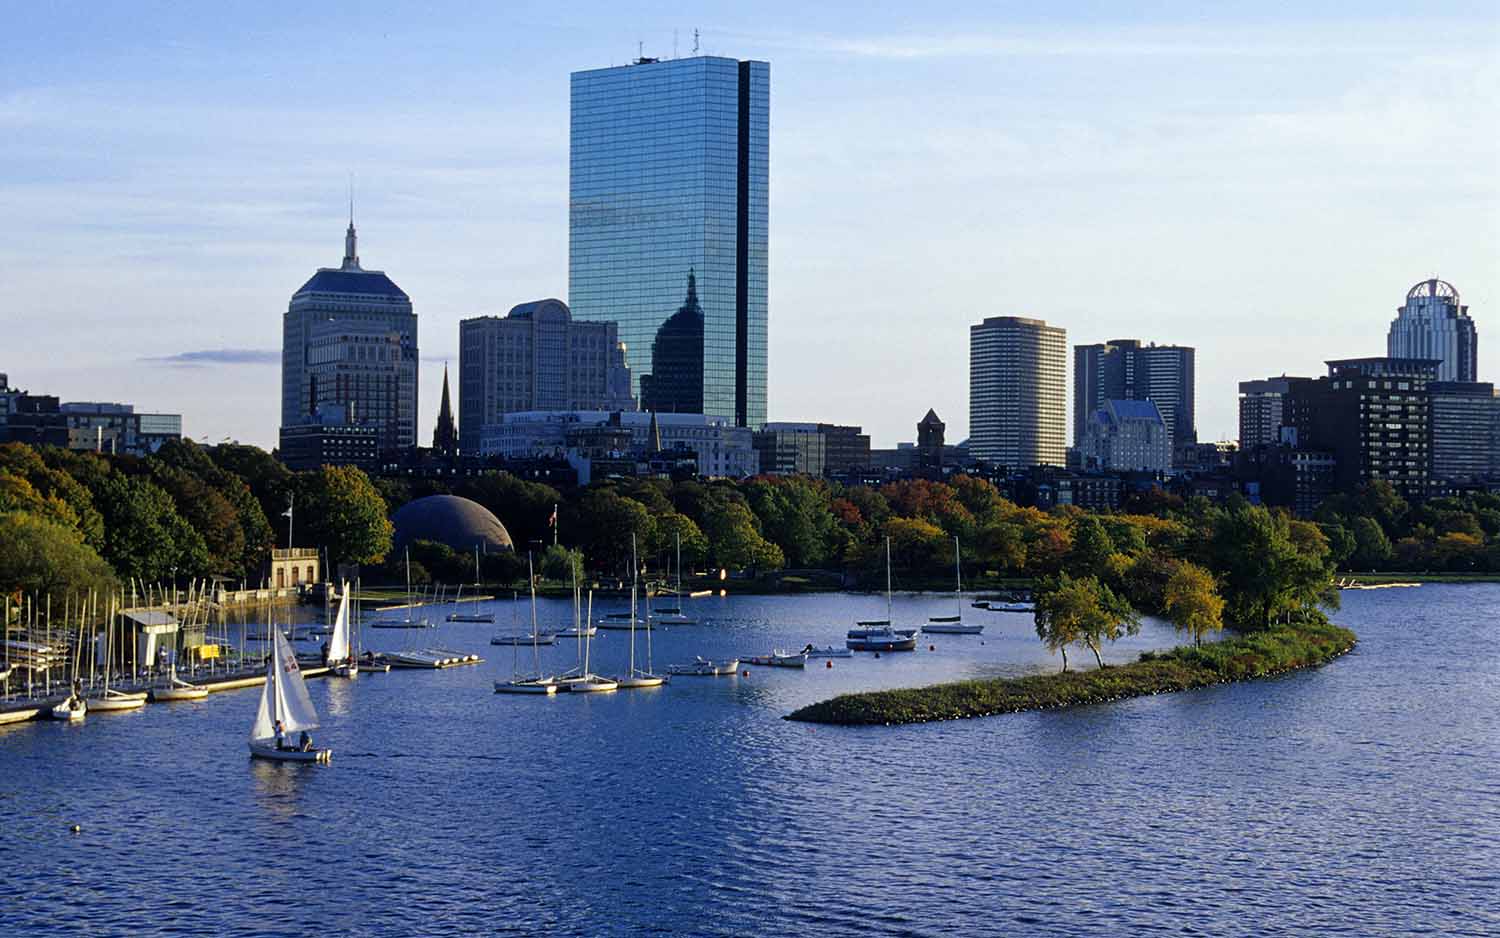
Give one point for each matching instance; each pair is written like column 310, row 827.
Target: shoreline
column 1244, row 657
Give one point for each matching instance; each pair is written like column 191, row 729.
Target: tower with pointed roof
column 930, row 441
column 445, row 436
column 349, row 353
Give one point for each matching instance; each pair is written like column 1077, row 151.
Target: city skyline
column 1217, row 217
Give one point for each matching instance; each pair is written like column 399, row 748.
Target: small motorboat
column 71, row 710
column 828, row 651
column 545, row 638
column 177, row 689
column 372, row 662
column 778, row 659
column 532, row 685
column 866, row 629
column 883, row 640
column 703, row 667
column 1012, row 607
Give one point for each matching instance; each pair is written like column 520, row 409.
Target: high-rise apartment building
column 667, row 228
column 1262, row 409
column 538, row 357
column 1434, row 324
column 1018, row 380
column 1131, row 370
column 349, row 348
column 1374, row 416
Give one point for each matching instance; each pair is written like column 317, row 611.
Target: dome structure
column 460, row 523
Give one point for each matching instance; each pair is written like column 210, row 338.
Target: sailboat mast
column 888, row 619
column 958, row 577
column 588, row 639
column 536, row 655
column 633, row 569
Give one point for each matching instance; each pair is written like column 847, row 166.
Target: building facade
column 1434, row 324
column 536, row 358
column 1465, row 432
column 721, row 449
column 117, row 428
column 1262, row 410
column 1128, row 369
column 791, row 449
column 36, row 419
column 349, row 340
column 1373, row 416
column 668, row 221
column 1126, row 436
column 1018, row 373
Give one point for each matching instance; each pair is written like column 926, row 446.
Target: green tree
column 339, row 510
column 794, row 514
column 673, row 525
column 735, row 542
column 601, row 523
column 1191, row 601
column 1372, row 549
column 40, row 556
column 1091, row 548
column 60, row 475
column 145, row 537
column 917, row 546
column 1081, row 611
column 525, row 508
column 562, row 564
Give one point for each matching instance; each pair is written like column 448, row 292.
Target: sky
column 1263, row 181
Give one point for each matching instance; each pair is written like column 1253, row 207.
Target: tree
column 145, row 537
column 674, row 525
column 1091, row 548
column 1372, row 549
column 1081, row 611
column 917, row 546
column 40, row 556
column 50, row 473
column 525, row 508
column 794, row 514
column 561, row 564
column 734, row 541
column 601, row 524
column 340, row 510
column 1191, row 601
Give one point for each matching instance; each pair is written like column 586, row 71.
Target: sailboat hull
column 952, row 628
column 116, row 704
column 269, row 752
column 594, row 686
column 69, row 711
column 639, row 681
column 525, row 687
column 180, row 692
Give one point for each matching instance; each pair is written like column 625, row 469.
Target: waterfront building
column 538, row 357
column 294, row 567
column 349, row 340
column 720, row 449
column 1128, row 369
column 1018, row 392
column 1434, row 324
column 1373, row 415
column 1126, row 436
column 667, row 229
column 1465, row 432
column 117, row 428
column 1262, row 408
column 791, row 449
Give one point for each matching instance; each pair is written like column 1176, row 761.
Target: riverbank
column 1244, row 657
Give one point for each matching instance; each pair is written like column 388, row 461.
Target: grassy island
column 1253, row 655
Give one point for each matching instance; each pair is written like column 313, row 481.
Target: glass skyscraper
column 667, row 227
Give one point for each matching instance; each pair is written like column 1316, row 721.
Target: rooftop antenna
column 351, row 198
column 695, row 40
column 640, row 49
column 674, row 43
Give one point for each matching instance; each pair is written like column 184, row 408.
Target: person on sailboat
column 279, row 743
column 304, row 742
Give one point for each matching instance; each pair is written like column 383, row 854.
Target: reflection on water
column 1357, row 799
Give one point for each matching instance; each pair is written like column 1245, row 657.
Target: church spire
column 445, row 436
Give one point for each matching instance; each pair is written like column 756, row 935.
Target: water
column 1359, row 799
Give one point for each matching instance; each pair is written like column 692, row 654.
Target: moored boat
column 178, row 689
column 883, row 640
column 114, row 701
column 828, row 651
column 778, row 659
column 703, row 667
column 70, row 710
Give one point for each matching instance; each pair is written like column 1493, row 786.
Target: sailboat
column 407, row 622
column 340, row 649
column 109, row 699
column 178, row 689
column 636, row 677
column 954, row 625
column 585, row 681
column 536, row 682
column 285, row 708
column 877, row 634
column 674, row 614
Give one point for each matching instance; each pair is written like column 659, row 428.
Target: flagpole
column 554, row 524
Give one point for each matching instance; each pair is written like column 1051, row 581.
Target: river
column 1361, row 798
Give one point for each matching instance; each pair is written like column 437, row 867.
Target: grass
column 1244, row 657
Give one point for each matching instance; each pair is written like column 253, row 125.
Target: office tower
column 1433, row 324
column 1018, row 374
column 349, row 353
column 1465, row 431
column 1373, row 415
column 1126, row 436
column 1128, row 369
column 667, row 226
column 537, row 357
column 1262, row 405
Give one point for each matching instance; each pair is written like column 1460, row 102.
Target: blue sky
column 1262, row 181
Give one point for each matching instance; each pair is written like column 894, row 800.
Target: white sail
column 284, row 697
column 338, row 642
